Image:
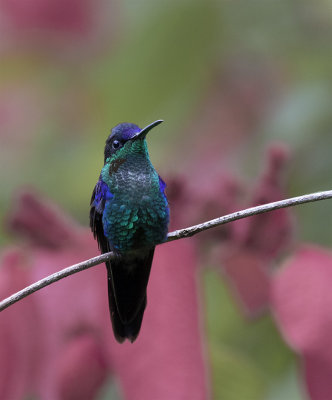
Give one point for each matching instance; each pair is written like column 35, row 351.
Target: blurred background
column 230, row 80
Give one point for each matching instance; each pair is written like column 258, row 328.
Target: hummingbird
column 129, row 216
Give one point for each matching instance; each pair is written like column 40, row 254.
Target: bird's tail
column 127, row 282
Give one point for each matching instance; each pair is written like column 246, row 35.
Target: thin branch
column 54, row 278
column 179, row 234
column 248, row 212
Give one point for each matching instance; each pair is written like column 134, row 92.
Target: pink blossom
column 79, row 357
column 19, row 331
column 170, row 338
column 254, row 242
column 65, row 27
column 302, row 303
column 248, row 277
column 271, row 233
column 194, row 201
column 246, row 248
column 71, row 349
column 71, row 16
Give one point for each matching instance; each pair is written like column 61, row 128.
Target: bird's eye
column 116, row 144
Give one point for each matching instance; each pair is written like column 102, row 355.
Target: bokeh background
column 231, row 79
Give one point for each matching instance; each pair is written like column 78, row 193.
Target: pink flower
column 271, row 233
column 247, row 275
column 19, row 331
column 66, row 26
column 172, row 366
column 79, row 357
column 254, row 243
column 71, row 348
column 61, row 15
column 246, row 248
column 302, row 303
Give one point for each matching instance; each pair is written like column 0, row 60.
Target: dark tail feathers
column 127, row 281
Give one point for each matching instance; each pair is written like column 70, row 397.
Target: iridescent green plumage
column 135, row 216
column 129, row 215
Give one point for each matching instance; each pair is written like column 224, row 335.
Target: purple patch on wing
column 162, row 185
column 101, row 195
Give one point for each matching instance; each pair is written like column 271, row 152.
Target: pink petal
column 318, row 372
column 77, row 305
column 302, row 300
column 66, row 29
column 68, row 16
column 248, row 276
column 166, row 361
column 19, row 331
column 194, row 201
column 81, row 368
column 270, row 233
column 41, row 222
column 73, row 307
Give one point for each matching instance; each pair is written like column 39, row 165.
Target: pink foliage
column 70, row 16
column 66, row 28
column 248, row 277
column 255, row 242
column 270, row 233
column 317, row 374
column 73, row 370
column 246, row 248
column 19, row 331
column 170, row 337
column 299, row 294
column 41, row 223
column 196, row 201
column 58, row 343
column 302, row 303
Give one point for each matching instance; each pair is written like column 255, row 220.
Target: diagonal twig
column 178, row 234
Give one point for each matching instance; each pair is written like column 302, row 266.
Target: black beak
column 144, row 131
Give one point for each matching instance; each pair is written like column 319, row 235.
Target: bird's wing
column 133, row 306
column 97, row 205
column 162, row 185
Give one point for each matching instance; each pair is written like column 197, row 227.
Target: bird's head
column 126, row 137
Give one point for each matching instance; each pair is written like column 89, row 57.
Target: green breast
column 137, row 214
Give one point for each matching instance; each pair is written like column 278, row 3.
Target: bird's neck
column 134, row 171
